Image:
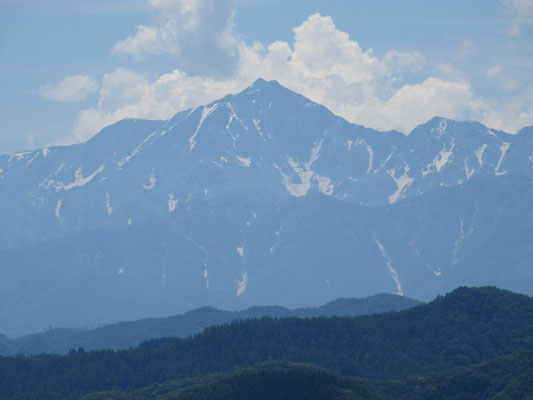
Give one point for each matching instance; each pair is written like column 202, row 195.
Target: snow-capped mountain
column 262, row 197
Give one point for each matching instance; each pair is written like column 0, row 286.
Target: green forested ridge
column 467, row 326
column 508, row 377
column 505, row 378
column 273, row 380
column 122, row 335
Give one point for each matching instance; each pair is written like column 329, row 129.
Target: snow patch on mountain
column 402, row 183
column 58, row 208
column 258, row 128
column 152, row 181
column 436, row 271
column 245, row 161
column 233, row 117
column 504, row 147
column 241, row 284
column 441, row 160
column 172, row 203
column 17, row 156
column 442, row 127
column 206, row 277
column 479, row 154
column 469, row 172
column 31, row 159
column 370, row 154
column 362, row 142
column 392, row 270
column 135, row 151
column 304, row 172
column 324, row 184
column 206, row 111
column 108, row 204
column 79, row 179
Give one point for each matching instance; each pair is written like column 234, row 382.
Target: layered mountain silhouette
column 259, row 198
column 126, row 334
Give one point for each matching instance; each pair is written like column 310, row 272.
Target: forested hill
column 507, row 377
column 126, row 334
column 467, row 326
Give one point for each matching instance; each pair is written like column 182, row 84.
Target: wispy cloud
column 496, row 74
column 71, row 89
column 522, row 13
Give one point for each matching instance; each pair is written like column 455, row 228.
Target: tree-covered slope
column 126, row 334
column 274, row 380
column 507, row 377
column 464, row 327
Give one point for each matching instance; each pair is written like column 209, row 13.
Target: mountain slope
column 502, row 378
column 266, row 142
column 126, row 334
column 464, row 327
column 259, row 198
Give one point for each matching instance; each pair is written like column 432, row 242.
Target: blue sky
column 71, row 67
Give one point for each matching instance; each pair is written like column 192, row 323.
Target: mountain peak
column 262, row 84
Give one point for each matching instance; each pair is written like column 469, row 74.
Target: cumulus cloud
column 355, row 83
column 198, row 32
column 127, row 94
column 72, row 88
column 522, row 12
column 497, row 75
column 324, row 64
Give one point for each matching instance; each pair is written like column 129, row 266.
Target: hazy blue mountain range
column 259, row 198
column 126, row 334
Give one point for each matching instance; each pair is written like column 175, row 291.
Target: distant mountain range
column 127, row 334
column 259, row 198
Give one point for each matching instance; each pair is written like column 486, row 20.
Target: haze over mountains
column 259, row 198
column 123, row 335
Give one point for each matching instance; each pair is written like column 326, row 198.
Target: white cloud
column 466, row 48
column 414, row 104
column 411, row 61
column 127, row 94
column 509, row 115
column 198, row 32
column 496, row 74
column 324, row 64
column 71, row 88
column 522, row 12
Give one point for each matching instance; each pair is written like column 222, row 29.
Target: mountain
column 507, row 377
column 465, row 327
column 259, row 198
column 127, row 334
column 268, row 381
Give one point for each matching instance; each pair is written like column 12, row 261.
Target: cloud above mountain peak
column 322, row 63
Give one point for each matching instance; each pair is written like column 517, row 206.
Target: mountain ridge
column 464, row 327
column 257, row 196
column 123, row 335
